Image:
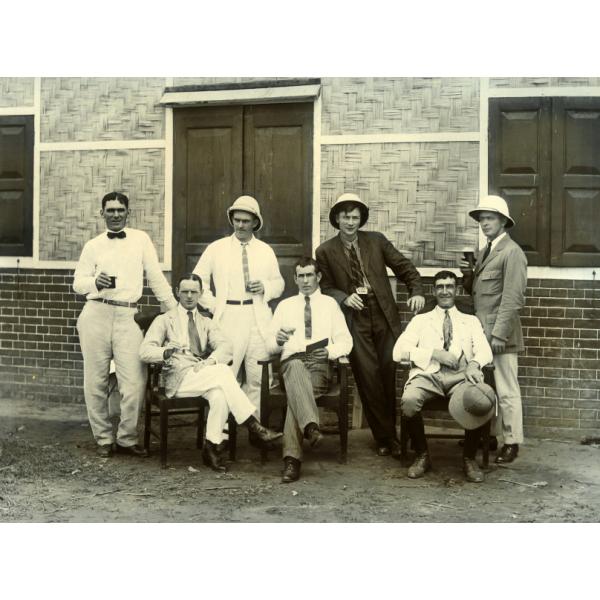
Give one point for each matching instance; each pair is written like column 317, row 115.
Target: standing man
column 245, row 275
column 447, row 349
column 305, row 320
column 498, row 284
column 353, row 265
column 195, row 355
column 110, row 273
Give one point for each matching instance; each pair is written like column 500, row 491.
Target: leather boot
column 211, row 458
column 508, row 453
column 291, row 470
column 472, row 471
column 421, row 465
column 260, row 433
column 313, row 434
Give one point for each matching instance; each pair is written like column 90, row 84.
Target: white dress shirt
column 127, row 259
column 327, row 319
column 182, row 315
column 496, row 240
column 237, row 286
column 455, row 345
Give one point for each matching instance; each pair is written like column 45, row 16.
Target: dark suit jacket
column 376, row 252
column 498, row 287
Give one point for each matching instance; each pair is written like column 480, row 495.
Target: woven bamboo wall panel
column 418, row 194
column 97, row 108
column 517, row 82
column 72, row 186
column 16, row 91
column 399, row 105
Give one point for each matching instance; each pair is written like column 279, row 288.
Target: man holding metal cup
column 353, row 264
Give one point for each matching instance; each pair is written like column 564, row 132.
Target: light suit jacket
column 167, row 328
column 498, row 289
column 214, row 263
column 424, row 334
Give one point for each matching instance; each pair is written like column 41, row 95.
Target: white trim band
column 399, row 138
column 103, row 145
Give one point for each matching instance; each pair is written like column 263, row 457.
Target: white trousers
column 238, row 323
column 109, row 332
column 509, row 422
column 219, row 386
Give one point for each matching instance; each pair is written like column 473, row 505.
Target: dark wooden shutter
column 16, row 186
column 520, row 169
column 575, row 239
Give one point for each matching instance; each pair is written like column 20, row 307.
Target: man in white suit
column 246, row 276
column 447, row 349
column 195, row 355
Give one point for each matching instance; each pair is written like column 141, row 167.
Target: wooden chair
column 157, row 404
column 441, row 405
column 335, row 399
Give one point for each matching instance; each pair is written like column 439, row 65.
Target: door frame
column 256, row 92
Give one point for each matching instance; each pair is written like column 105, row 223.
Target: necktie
column 245, row 265
column 355, row 270
column 112, row 235
column 487, row 251
column 195, row 345
column 307, row 318
column 447, row 328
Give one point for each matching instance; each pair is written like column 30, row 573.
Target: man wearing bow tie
column 110, row 273
column 195, row 355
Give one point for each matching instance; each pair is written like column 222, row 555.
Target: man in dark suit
column 353, row 265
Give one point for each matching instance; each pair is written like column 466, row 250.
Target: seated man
column 195, row 355
column 447, row 349
column 308, row 319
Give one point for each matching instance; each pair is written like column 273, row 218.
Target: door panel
column 519, row 151
column 207, row 175
column 575, row 239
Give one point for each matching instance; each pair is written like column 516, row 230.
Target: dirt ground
column 49, row 472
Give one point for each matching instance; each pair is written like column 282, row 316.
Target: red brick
column 565, row 302
column 587, row 404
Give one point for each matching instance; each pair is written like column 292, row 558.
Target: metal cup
column 363, row 292
column 113, row 282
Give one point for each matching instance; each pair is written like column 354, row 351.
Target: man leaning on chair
column 195, row 355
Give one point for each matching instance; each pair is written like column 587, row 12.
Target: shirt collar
column 184, row 311
column 125, row 229
column 496, row 240
column 347, row 244
column 441, row 312
column 315, row 294
column 235, row 239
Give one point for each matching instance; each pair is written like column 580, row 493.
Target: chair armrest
column 269, row 361
column 343, row 360
column 404, row 364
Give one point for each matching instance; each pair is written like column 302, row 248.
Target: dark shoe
column 260, row 433
column 383, row 449
column 134, row 450
column 493, row 443
column 211, row 458
column 291, row 470
column 421, row 465
column 508, row 453
column 104, row 450
column 472, row 471
column 313, row 434
column 395, row 449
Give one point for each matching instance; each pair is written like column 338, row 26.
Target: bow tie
column 112, row 235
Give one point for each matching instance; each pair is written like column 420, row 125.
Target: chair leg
column 200, row 428
column 403, row 437
column 232, row 438
column 486, row 444
column 164, row 430
column 264, row 421
column 147, row 421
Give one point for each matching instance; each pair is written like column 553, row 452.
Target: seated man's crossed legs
column 219, row 386
column 305, row 377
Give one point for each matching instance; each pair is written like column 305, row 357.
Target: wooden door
column 221, row 153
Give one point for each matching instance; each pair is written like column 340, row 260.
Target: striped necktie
column 447, row 328
column 195, row 345
column 307, row 318
column 355, row 270
column 487, row 251
column 245, row 267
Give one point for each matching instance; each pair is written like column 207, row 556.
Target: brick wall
column 559, row 371
column 39, row 346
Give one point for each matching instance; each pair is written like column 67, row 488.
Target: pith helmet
column 362, row 205
column 247, row 204
column 493, row 204
column 472, row 405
